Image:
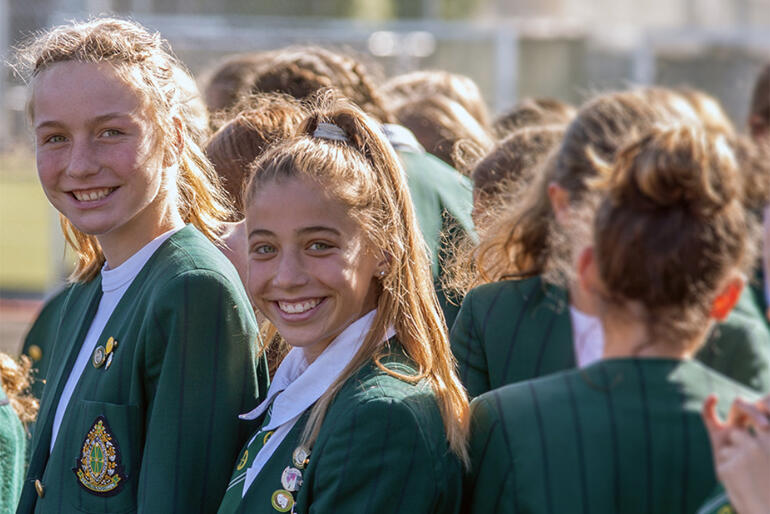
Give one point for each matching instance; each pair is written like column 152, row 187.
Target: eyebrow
column 99, row 119
column 302, row 231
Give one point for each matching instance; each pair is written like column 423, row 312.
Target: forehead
column 71, row 91
column 293, row 204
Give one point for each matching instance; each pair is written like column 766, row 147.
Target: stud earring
column 382, row 273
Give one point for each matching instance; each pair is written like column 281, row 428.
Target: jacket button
column 39, row 488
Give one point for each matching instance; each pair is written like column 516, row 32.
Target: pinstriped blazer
column 517, row 330
column 381, row 449
column 39, row 334
column 621, row 435
column 182, row 371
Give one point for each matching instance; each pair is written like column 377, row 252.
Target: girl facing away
column 670, row 249
column 153, row 352
column 529, row 317
column 365, row 412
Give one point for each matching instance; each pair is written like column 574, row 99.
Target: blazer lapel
column 74, row 317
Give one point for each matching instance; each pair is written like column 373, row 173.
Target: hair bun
column 681, row 167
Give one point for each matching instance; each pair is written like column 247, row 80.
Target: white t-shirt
column 115, row 282
column 587, row 336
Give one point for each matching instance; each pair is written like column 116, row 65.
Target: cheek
column 46, row 163
column 255, row 279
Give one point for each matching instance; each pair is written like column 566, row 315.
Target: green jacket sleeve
column 489, row 486
column 468, row 349
column 199, row 377
column 379, row 459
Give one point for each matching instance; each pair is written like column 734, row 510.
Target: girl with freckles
column 365, row 413
column 152, row 344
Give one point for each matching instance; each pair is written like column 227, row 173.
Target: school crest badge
column 98, row 468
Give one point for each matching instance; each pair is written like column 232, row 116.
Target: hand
column 741, row 449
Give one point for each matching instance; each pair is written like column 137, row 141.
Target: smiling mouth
column 92, row 195
column 298, row 307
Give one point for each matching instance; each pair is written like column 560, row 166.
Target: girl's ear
column 727, row 297
column 383, row 266
column 588, row 272
column 559, row 198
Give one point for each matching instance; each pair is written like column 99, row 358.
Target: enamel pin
column 291, row 479
column 282, row 500
column 99, row 357
column 300, row 457
column 98, row 469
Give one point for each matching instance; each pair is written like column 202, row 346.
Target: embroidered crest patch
column 99, row 469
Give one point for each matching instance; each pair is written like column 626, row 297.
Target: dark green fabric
column 621, row 435
column 718, row 503
column 40, row 334
column 181, row 373
column 740, row 347
column 381, row 449
column 517, row 330
column 443, row 201
column 511, row 331
column 13, row 440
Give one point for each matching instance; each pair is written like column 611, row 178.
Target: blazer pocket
column 104, row 470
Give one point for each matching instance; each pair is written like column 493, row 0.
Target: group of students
column 281, row 301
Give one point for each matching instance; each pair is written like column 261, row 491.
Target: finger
column 764, row 405
column 710, row 416
column 749, row 414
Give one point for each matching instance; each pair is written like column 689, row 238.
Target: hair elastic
column 330, row 131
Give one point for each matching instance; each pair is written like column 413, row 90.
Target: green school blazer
column 718, row 503
column 516, row 330
column 381, row 449
column 13, row 440
column 443, row 201
column 38, row 343
column 621, row 435
column 151, row 425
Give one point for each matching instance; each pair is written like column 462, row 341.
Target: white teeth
column 92, row 194
column 299, row 307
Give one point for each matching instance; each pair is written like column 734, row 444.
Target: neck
column 119, row 245
column 582, row 301
column 625, row 335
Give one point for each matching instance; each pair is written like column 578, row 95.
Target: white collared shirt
column 115, row 282
column 297, row 385
column 587, row 337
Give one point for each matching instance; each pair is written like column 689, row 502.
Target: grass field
column 30, row 245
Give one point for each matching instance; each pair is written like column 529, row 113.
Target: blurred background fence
column 568, row 49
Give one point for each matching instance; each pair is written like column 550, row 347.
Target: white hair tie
column 330, row 131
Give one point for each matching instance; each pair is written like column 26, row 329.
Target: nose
column 290, row 271
column 82, row 159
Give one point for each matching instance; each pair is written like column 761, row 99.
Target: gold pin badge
column 109, row 361
column 282, row 500
column 99, row 357
column 110, row 344
column 35, row 352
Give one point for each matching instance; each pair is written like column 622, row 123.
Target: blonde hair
column 15, row 381
column 147, row 66
column 364, row 174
